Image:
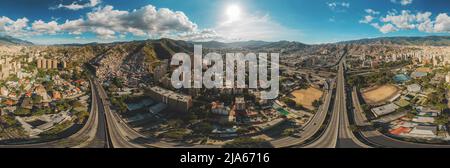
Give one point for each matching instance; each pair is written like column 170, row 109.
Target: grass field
column 306, row 97
column 380, row 94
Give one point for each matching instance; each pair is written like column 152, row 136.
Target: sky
column 307, row 21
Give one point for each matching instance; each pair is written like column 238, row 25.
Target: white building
column 383, row 110
column 422, row 119
column 424, row 131
column 414, row 88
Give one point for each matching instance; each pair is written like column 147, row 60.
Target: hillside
column 8, row 40
column 420, row 41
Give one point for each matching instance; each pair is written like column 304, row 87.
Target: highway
column 328, row 139
column 346, row 138
column 338, row 133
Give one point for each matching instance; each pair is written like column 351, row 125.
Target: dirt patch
column 380, row 94
column 306, row 97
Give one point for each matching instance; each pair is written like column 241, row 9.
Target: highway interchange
column 329, row 128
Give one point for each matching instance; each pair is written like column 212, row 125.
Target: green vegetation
column 203, row 128
column 289, row 102
column 177, row 134
column 43, row 111
column 119, row 102
column 288, row 132
column 442, row 119
column 244, row 142
column 117, row 82
column 378, row 78
column 36, row 99
column 8, row 121
column 58, row 128
column 317, row 103
column 22, row 112
column 175, row 123
column 81, row 116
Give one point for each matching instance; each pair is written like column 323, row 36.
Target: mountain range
column 420, row 41
column 8, row 40
column 255, row 45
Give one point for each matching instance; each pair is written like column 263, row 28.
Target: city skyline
column 85, row 21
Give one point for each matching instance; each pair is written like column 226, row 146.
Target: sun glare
column 233, row 12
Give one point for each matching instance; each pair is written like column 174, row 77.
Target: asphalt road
column 346, row 138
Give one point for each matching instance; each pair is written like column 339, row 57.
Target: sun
column 233, row 13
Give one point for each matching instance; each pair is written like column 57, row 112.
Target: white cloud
column 104, row 33
column 74, row 26
column 387, row 28
column 139, row 22
column 371, row 12
column 78, row 6
column 41, row 27
column 107, row 22
column 338, row 6
column 14, row 28
column 370, row 17
column 202, row 35
column 407, row 20
column 402, row 2
column 367, row 19
column 442, row 23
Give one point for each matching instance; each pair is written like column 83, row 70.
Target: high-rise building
column 64, row 64
column 49, row 64
column 240, row 103
column 54, row 64
column 39, row 63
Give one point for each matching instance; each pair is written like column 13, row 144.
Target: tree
column 288, row 132
column 245, row 142
column 8, row 120
column 175, row 123
column 203, row 128
column 289, row 102
column 22, row 112
column 442, row 119
column 317, row 103
column 36, row 99
column 177, row 134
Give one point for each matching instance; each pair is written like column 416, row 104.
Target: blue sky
column 308, row 21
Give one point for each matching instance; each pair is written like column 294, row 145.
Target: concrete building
column 414, row 88
column 383, row 110
column 9, row 67
column 424, row 131
column 240, row 103
column 48, row 63
column 175, row 101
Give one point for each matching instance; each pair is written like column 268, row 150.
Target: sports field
column 380, row 94
column 306, row 97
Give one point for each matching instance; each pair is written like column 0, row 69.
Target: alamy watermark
column 236, row 64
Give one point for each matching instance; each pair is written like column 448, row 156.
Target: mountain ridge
column 9, row 40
